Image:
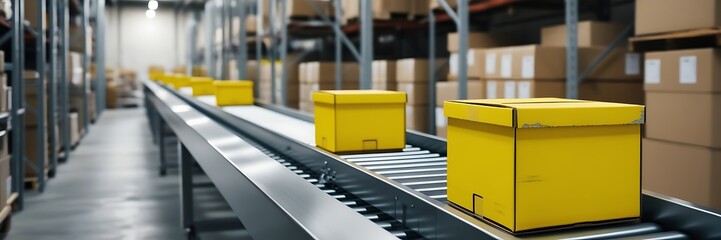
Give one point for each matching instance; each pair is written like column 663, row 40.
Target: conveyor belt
column 416, row 178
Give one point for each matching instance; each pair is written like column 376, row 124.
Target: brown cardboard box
column 683, row 171
column 306, row 107
column 608, row 91
column 31, row 151
column 590, row 34
column 416, row 70
column 250, row 24
column 383, row 9
column 74, row 69
column 524, row 88
column 527, row 61
column 74, row 122
column 293, row 94
column 4, row 146
column 536, row 62
column 302, row 8
column 77, row 38
column 31, row 101
column 434, row 4
column 545, row 62
column 417, row 118
column 5, row 180
column 684, row 118
column 446, row 91
column 475, row 60
column 658, row 16
column 612, row 91
column 324, row 72
column 31, row 15
column 694, row 70
column 481, row 40
column 307, row 89
column 92, row 106
column 416, row 93
column 384, row 75
column 4, row 96
column 619, row 65
column 111, row 94
column 441, row 123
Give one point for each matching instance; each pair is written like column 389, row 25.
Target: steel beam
column 366, row 18
column 242, row 57
column 284, row 53
column 18, row 125
column 100, row 57
column 572, row 49
column 431, row 73
column 53, row 83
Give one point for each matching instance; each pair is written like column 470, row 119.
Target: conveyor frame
column 437, row 220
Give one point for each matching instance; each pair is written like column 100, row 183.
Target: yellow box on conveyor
column 359, row 120
column 231, row 93
column 527, row 164
column 202, row 86
column 180, row 81
column 156, row 76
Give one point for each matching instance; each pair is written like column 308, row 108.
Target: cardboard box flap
column 579, row 113
column 545, row 112
column 474, row 110
column 358, row 97
column 233, row 83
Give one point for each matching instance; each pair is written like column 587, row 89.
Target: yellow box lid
column 544, row 112
column 234, row 83
column 358, row 96
column 201, row 79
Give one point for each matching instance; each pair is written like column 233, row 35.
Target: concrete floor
column 110, row 189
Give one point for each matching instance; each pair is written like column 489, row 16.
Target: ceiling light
column 150, row 13
column 153, row 4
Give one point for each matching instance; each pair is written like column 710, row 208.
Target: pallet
column 33, row 183
column 11, row 199
column 697, row 38
column 5, row 220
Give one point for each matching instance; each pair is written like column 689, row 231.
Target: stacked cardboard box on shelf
column 387, row 9
column 682, row 149
column 384, row 75
column 316, row 76
column 682, row 152
column 434, row 4
column 661, row 16
column 530, row 71
column 476, row 42
column 251, row 72
column 292, row 84
column 413, row 76
column 475, row 60
column 75, row 86
column 447, row 91
column 32, row 126
column 303, row 8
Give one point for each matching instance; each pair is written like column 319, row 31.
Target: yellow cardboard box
column 230, row 93
column 156, row 76
column 359, row 120
column 202, row 86
column 180, row 81
column 527, row 164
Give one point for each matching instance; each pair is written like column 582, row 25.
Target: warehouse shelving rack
column 276, row 39
column 52, row 79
